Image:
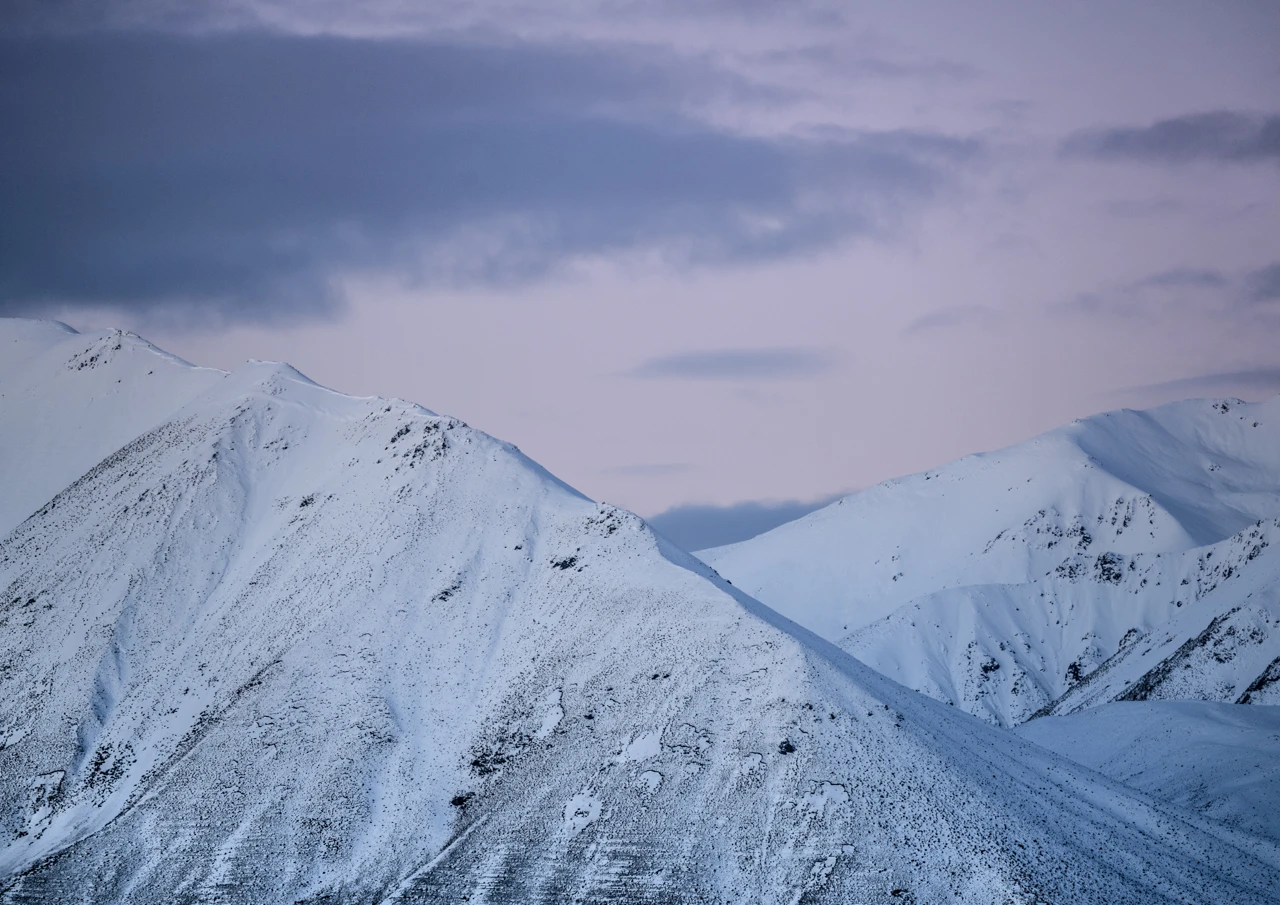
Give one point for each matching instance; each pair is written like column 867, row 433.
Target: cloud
column 738, row 364
column 849, row 63
column 1182, row 278
column 946, row 318
column 1167, row 291
column 245, row 173
column 1145, row 207
column 392, row 17
column 1220, row 136
column 1264, row 284
column 1264, row 380
column 695, row 527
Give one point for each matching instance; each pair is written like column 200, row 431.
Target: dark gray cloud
column 1221, row 135
column 702, row 527
column 1258, row 380
column 1264, row 284
column 239, row 173
column 738, row 364
column 954, row 316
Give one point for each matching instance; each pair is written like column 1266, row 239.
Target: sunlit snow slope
column 291, row 646
column 999, row 582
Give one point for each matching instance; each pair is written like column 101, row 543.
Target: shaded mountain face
column 1218, row 759
column 1198, row 624
column 1004, row 582
column 287, row 645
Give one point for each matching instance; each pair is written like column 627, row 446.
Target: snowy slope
column 1220, row 759
column 68, row 399
column 292, row 646
column 999, row 582
column 1005, row 652
column 1164, row 480
column 1224, row 647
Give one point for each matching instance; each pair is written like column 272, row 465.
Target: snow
column 581, row 811
column 1085, row 634
column 68, row 399
column 551, row 719
column 289, row 645
column 824, row 795
column 1001, row 581
column 1222, row 760
column 1222, row 645
column 1170, row 479
column 644, row 746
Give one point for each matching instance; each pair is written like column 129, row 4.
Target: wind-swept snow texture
column 291, row 646
column 1220, row 759
column 1142, row 542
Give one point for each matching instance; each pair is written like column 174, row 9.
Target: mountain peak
column 1010, row 583
column 288, row 645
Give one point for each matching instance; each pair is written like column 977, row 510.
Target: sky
column 716, row 261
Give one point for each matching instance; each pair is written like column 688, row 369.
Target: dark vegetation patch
column 442, row 596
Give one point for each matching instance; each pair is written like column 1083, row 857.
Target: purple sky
column 684, row 253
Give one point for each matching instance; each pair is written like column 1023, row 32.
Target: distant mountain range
column 264, row 642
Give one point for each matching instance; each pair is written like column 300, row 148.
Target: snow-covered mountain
column 1139, row 540
column 1092, row 629
column 287, row 645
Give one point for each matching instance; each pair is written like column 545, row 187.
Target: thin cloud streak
column 1221, row 136
column 948, row 318
column 1128, row 208
column 848, row 63
column 1264, row 284
column 1183, row 278
column 738, row 364
column 1179, row 289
